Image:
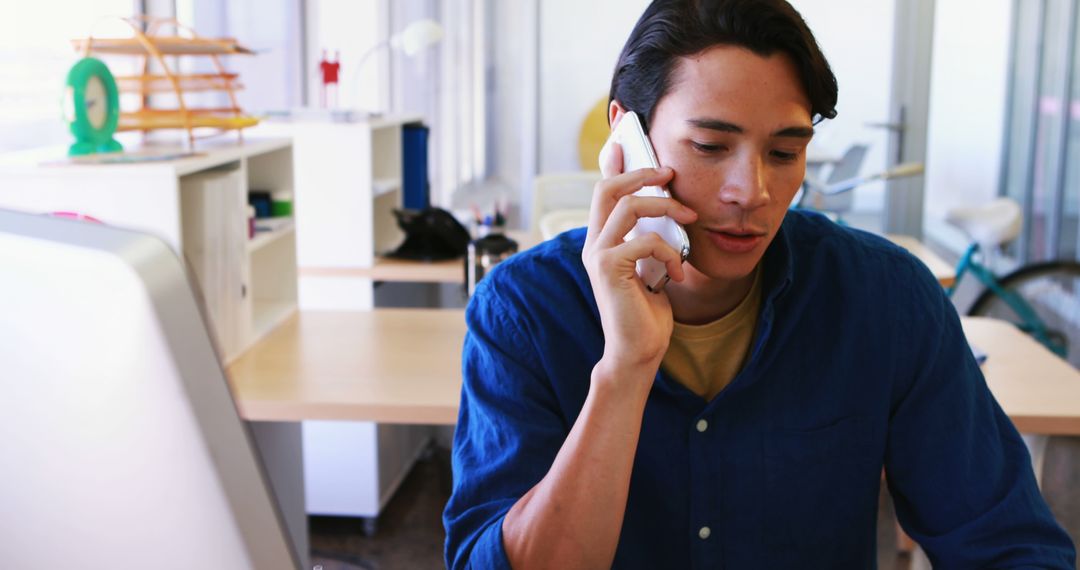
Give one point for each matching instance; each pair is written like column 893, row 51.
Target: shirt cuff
column 489, row 552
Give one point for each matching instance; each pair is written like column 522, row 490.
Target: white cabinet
column 348, row 182
column 354, row 468
column 198, row 205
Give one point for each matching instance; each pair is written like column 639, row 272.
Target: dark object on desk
column 484, row 254
column 431, row 234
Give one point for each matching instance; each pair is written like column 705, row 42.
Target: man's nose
column 744, row 183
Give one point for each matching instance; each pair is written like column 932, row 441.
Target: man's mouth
column 736, row 240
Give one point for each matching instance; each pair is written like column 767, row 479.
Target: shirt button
column 704, row 532
column 702, row 425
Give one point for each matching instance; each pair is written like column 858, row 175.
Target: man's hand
column 637, row 323
column 573, row 516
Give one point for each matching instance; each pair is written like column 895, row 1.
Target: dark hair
column 670, row 29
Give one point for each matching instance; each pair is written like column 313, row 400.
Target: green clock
column 92, row 107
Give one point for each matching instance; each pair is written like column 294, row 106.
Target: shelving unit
column 198, row 205
column 265, row 238
column 385, row 186
column 348, row 183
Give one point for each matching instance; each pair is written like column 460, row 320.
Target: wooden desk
column 388, row 366
column 1039, row 391
column 945, row 273
column 390, row 269
column 404, row 366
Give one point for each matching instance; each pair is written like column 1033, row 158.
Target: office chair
column 847, row 168
column 561, row 201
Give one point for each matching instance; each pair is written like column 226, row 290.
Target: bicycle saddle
column 990, row 225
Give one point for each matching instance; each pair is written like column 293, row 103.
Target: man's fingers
column 645, row 246
column 631, row 208
column 609, row 191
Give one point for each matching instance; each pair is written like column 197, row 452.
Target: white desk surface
column 404, row 366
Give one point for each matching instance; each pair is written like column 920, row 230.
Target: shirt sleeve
column 509, row 431
column 959, row 473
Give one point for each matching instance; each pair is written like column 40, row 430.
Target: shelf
column 187, row 83
column 382, row 186
column 176, row 119
column 167, row 45
column 267, row 315
column 265, row 238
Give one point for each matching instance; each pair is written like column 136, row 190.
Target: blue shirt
column 858, row 362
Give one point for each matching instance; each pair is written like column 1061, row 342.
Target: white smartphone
column 638, row 153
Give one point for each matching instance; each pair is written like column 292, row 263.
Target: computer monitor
column 121, row 444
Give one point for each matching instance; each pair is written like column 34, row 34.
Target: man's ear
column 615, row 113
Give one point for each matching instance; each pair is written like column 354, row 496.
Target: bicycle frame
column 1030, row 321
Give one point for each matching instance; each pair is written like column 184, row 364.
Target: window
column 1041, row 166
column 35, row 56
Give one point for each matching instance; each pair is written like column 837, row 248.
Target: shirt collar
column 778, row 265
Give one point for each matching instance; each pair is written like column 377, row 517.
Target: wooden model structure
column 153, row 47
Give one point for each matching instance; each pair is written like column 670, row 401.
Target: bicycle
column 1041, row 299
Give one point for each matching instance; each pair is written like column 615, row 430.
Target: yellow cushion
column 594, row 132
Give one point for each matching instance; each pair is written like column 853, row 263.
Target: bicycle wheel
column 1052, row 290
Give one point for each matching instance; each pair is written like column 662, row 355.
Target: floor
column 410, row 533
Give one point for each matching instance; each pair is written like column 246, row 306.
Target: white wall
column 967, row 107
column 273, row 78
column 857, row 39
column 35, row 57
column 509, row 95
column 579, row 44
column 351, row 27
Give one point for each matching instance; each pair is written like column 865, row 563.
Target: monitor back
column 121, row 444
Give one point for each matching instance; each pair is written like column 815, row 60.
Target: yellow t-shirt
column 705, row 358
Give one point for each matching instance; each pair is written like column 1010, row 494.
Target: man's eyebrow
column 800, row 132
column 715, row 125
column 797, row 132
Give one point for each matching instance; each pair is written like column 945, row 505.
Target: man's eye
column 785, row 156
column 706, row 147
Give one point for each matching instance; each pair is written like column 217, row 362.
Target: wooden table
column 392, row 269
column 1039, row 391
column 945, row 273
column 388, row 366
column 404, row 366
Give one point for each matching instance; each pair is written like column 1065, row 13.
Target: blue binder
column 415, row 186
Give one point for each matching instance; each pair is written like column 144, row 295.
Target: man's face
column 734, row 127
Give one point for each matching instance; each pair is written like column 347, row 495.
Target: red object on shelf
column 330, row 71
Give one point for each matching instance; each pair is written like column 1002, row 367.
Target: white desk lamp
column 412, row 40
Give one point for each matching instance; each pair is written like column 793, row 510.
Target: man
column 741, row 418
